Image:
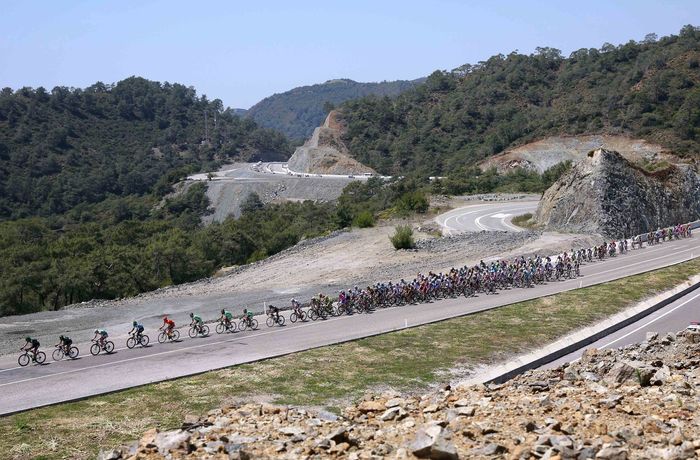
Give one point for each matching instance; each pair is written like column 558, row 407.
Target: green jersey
column 197, row 319
column 228, row 315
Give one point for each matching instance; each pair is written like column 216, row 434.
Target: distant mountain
column 297, row 112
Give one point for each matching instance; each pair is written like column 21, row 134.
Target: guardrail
column 541, row 361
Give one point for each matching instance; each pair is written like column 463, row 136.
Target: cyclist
column 247, row 315
column 65, row 343
column 31, row 346
column 137, row 329
column 272, row 310
column 168, row 326
column 101, row 335
column 196, row 322
column 226, row 317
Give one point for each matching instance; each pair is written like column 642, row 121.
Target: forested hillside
column 297, row 112
column 648, row 89
column 68, row 147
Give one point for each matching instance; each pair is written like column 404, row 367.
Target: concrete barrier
column 548, row 358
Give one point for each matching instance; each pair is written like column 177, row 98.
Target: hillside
column 67, row 147
column 297, row 112
column 647, row 90
column 325, row 152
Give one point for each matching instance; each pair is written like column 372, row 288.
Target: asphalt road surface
column 478, row 217
column 673, row 317
column 37, row 385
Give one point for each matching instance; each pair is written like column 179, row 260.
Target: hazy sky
column 241, row 52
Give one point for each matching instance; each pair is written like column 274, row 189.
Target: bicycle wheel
column 205, row 330
column 144, row 340
column 313, row 315
column 242, row 325
column 23, row 360
column 293, row 317
column 57, row 354
column 73, row 352
column 175, row 336
column 130, row 342
column 270, row 321
column 40, row 357
column 192, row 332
column 303, row 316
column 162, row 337
column 220, row 328
column 253, row 323
column 95, row 349
column 281, row 321
column 109, row 346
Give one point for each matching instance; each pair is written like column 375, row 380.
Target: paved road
column 672, row 318
column 478, row 217
column 66, row 380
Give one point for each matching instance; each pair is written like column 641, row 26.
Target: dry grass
column 408, row 360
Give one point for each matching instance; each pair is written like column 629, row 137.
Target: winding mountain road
column 483, row 217
column 53, row 382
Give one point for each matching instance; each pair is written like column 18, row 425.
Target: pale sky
column 241, row 52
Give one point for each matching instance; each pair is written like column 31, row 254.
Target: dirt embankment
column 545, row 153
column 326, row 153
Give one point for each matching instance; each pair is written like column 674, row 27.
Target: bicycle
column 60, row 352
column 299, row 315
column 251, row 323
column 96, row 348
column 173, row 336
column 38, row 357
column 224, row 326
column 137, row 339
column 196, row 330
column 273, row 319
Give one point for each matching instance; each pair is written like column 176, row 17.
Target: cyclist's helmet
column 96, row 331
column 28, row 339
column 165, row 319
column 134, row 323
column 222, row 311
column 60, row 337
column 191, row 315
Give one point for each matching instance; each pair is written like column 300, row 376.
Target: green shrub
column 364, row 219
column 403, row 237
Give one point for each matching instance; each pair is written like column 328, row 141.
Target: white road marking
column 186, row 348
column 646, row 324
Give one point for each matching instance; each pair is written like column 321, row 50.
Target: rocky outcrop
column 326, row 153
column 606, row 194
column 637, row 402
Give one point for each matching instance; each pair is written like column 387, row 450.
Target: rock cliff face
column 326, row 153
column 607, row 194
column 639, row 402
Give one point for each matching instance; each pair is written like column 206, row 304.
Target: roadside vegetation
column 403, row 237
column 408, row 360
column 524, row 221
